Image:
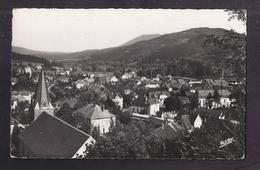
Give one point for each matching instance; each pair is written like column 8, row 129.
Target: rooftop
column 50, row 137
column 93, row 112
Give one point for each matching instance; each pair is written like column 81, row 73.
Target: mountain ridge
column 143, row 37
column 188, row 44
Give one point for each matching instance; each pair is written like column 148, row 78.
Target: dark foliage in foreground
column 136, row 140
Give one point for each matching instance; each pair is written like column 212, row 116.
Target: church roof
column 42, row 94
column 93, row 112
column 50, row 137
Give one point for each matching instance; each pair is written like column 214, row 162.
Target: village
column 64, row 111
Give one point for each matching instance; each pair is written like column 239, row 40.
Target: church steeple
column 42, row 101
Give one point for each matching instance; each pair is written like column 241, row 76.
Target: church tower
column 42, row 102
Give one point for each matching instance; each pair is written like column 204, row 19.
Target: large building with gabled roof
column 51, row 137
column 93, row 115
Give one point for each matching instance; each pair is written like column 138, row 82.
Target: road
column 49, row 90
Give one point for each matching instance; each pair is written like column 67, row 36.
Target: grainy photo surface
column 128, row 84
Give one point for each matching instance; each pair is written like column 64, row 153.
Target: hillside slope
column 144, row 37
column 187, row 44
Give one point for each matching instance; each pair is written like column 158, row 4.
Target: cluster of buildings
column 48, row 136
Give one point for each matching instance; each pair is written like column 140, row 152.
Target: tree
column 209, row 100
column 194, row 101
column 239, row 14
column 127, row 141
column 127, row 100
column 231, row 44
column 216, row 96
column 172, row 103
column 65, row 113
column 95, row 133
column 154, row 146
column 126, row 117
column 15, row 140
column 239, row 96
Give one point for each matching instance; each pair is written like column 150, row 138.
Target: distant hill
column 27, row 58
column 144, row 37
column 188, row 44
column 54, row 56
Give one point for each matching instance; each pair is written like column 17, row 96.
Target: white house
column 152, row 85
column 14, row 103
column 162, row 97
column 224, row 98
column 28, row 70
column 22, row 95
column 114, row 79
column 202, row 97
column 119, row 101
column 38, row 67
column 197, row 122
column 80, row 84
column 191, row 82
column 94, row 116
column 89, row 80
column 154, row 106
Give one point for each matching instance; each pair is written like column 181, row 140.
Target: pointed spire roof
column 42, row 96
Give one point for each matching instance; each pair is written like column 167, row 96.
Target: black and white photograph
column 128, row 84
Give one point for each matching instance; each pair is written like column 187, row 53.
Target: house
column 219, row 83
column 93, row 115
column 154, row 106
column 224, row 98
column 152, row 85
column 23, row 95
column 118, row 101
column 64, row 79
column 197, row 122
column 114, row 79
column 13, row 80
column 51, row 137
column 202, row 95
column 140, row 116
column 204, row 114
column 14, row 103
column 170, row 116
column 38, row 67
column 139, row 105
column 162, row 97
column 174, row 86
column 28, row 70
column 158, row 93
column 80, row 84
column 197, row 87
column 128, row 75
column 89, row 80
column 191, row 82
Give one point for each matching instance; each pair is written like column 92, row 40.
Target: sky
column 71, row 30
